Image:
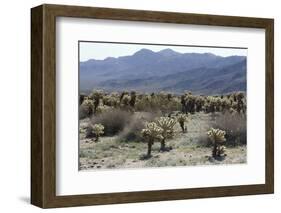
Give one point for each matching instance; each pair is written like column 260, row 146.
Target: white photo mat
column 71, row 181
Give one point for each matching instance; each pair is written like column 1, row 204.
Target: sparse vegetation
column 169, row 128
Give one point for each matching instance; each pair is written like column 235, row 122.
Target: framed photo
column 136, row 106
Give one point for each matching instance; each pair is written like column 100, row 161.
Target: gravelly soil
column 187, row 150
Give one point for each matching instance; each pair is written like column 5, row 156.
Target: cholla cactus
column 240, row 103
column 167, row 124
column 169, row 96
column 102, row 109
column 212, row 104
column 88, row 105
column 217, row 137
column 152, row 132
column 96, row 95
column 98, row 130
column 199, row 101
column 182, row 118
column 225, row 104
column 110, row 100
column 133, row 98
column 189, row 103
column 122, row 95
column 125, row 102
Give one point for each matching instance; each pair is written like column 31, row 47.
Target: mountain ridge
column 149, row 71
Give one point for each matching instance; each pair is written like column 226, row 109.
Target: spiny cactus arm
column 182, row 117
column 167, row 124
column 216, row 135
column 152, row 131
column 96, row 95
column 98, row 129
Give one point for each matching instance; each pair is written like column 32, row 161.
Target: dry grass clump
column 86, row 108
column 114, row 121
column 132, row 132
column 235, row 126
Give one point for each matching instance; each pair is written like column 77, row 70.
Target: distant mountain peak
column 168, row 52
column 144, row 51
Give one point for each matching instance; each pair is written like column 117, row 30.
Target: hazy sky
column 91, row 50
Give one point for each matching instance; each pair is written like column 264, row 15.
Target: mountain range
column 166, row 70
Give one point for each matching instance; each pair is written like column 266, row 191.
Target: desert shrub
column 203, row 140
column 235, row 126
column 86, row 108
column 114, row 121
column 83, row 112
column 132, row 132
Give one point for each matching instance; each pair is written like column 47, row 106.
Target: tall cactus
column 133, row 98
column 96, row 95
column 189, row 103
column 88, row 105
column 217, row 137
column 240, row 102
column 151, row 133
column 182, row 118
column 98, row 130
column 199, row 101
column 167, row 124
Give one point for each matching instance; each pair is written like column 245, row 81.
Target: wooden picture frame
column 43, row 105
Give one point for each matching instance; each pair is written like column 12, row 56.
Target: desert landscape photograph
column 159, row 105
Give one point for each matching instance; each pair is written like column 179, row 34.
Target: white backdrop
column 15, row 105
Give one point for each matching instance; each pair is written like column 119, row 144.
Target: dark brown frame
column 43, row 105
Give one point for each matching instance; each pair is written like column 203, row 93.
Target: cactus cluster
column 174, row 110
column 96, row 96
column 210, row 104
column 164, row 102
column 217, row 138
column 103, row 109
